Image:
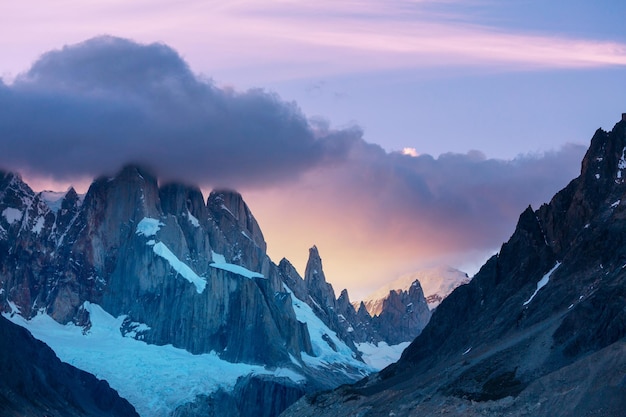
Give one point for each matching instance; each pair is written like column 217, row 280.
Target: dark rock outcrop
column 540, row 329
column 402, row 315
column 34, row 382
column 257, row 395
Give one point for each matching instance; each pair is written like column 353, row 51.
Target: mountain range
column 160, row 292
column 174, row 306
column 540, row 330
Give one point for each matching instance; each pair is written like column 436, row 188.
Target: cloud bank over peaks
column 91, row 107
column 378, row 215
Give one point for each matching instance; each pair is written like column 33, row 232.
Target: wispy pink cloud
column 296, row 38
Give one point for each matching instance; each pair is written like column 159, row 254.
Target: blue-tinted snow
column 148, row 227
column 324, row 354
column 179, row 266
column 155, row 379
column 12, row 215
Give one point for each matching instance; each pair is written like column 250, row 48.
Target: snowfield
column 325, row 355
column 155, row 379
column 381, row 355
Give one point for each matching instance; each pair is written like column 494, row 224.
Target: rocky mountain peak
column 604, row 160
column 599, row 186
column 130, row 195
column 344, row 298
column 228, row 207
column 314, row 270
column 320, row 290
column 13, row 191
column 183, row 200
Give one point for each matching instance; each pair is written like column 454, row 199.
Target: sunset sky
column 392, row 134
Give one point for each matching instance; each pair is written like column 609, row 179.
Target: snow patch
column 223, row 207
column 38, row 226
column 615, row 204
column 597, row 176
column 319, row 333
column 155, row 379
column 12, row 215
column 542, row 282
column 192, row 219
column 53, row 199
column 218, row 258
column 380, row 355
column 180, row 267
column 621, row 164
column 288, row 373
column 236, row 269
column 148, row 227
column 14, row 308
column 469, row 349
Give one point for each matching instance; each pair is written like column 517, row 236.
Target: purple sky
column 495, row 101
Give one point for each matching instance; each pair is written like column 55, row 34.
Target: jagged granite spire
column 319, row 289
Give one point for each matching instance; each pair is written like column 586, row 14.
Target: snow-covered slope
column 380, row 355
column 155, row 379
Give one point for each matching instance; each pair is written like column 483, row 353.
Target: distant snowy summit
column 436, row 284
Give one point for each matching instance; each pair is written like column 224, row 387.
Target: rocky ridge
column 540, row 330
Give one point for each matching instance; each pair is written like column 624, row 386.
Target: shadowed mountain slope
column 540, row 330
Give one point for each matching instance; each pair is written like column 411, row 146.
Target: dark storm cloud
column 91, row 107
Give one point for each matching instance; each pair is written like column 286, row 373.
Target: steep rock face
column 238, row 229
column 158, row 255
column 394, row 314
column 35, row 382
column 540, row 330
column 337, row 314
column 401, row 315
column 320, row 291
